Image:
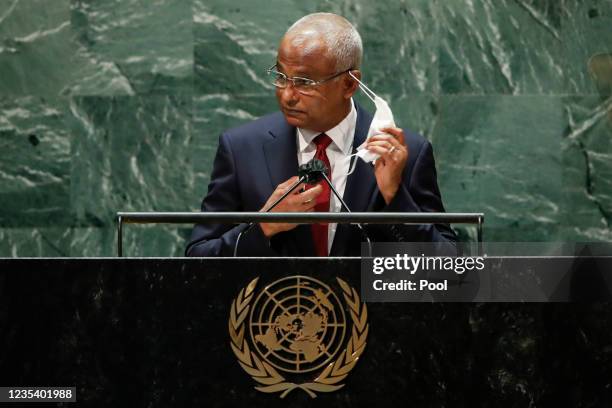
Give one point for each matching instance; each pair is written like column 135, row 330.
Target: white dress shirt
column 342, row 141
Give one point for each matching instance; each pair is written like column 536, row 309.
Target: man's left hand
column 389, row 167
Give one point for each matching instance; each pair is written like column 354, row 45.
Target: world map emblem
column 298, row 333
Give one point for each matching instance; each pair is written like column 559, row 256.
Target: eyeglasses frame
column 312, row 82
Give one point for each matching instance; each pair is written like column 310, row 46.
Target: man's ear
column 350, row 84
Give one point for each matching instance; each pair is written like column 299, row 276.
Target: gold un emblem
column 295, row 334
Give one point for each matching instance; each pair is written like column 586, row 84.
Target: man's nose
column 289, row 95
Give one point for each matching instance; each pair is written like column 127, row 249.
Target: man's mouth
column 292, row 112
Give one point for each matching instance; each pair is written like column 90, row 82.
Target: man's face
column 327, row 106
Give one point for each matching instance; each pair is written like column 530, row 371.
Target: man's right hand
column 297, row 201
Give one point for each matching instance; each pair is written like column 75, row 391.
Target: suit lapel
column 359, row 185
column 281, row 158
column 281, row 153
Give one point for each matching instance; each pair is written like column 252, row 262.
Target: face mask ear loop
column 367, row 91
column 352, row 169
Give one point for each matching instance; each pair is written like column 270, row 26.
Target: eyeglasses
column 304, row 86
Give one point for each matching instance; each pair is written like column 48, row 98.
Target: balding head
column 334, row 33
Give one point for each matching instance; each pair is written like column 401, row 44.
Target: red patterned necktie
column 319, row 231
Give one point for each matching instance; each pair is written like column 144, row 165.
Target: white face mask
column 383, row 117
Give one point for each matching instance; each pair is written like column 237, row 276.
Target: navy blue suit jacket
column 254, row 158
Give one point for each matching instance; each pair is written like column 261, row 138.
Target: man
column 257, row 162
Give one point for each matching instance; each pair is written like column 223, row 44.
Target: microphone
column 310, row 173
column 313, row 171
column 317, row 168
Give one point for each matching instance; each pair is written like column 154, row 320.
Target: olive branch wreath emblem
column 269, row 379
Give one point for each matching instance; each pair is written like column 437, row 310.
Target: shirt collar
column 341, row 135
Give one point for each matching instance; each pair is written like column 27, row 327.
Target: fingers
column 392, row 139
column 385, row 144
column 383, row 140
column 298, row 189
column 381, row 150
column 288, row 182
column 397, row 133
column 309, row 196
column 386, row 148
column 383, row 137
column 308, row 206
column 284, row 186
column 304, row 201
column 389, row 146
column 383, row 153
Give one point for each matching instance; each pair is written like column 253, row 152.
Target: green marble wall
column 110, row 105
